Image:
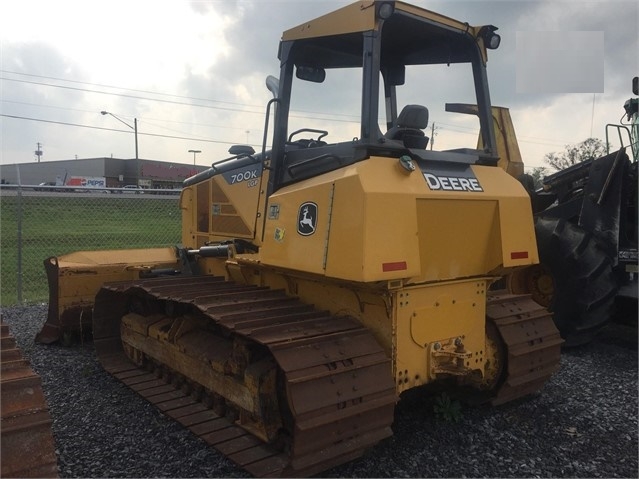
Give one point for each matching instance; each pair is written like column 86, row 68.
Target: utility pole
column 38, row 151
column 135, row 132
column 432, row 136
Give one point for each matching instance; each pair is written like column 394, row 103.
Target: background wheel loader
column 586, row 227
column 319, row 279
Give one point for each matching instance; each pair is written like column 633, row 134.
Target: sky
column 192, row 74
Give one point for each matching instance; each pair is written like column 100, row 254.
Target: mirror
column 273, row 85
column 395, row 75
column 312, row 74
column 241, row 150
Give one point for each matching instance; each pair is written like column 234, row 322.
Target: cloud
column 560, row 62
column 197, row 69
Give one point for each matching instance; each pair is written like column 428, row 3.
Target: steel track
column 339, row 387
column 340, row 394
column 28, row 448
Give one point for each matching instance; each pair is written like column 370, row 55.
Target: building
column 118, row 172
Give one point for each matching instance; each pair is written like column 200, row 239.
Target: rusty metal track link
column 28, row 449
column 334, row 380
column 532, row 342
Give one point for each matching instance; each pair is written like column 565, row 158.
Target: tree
column 538, row 173
column 588, row 149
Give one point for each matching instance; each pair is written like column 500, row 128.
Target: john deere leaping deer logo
column 307, row 218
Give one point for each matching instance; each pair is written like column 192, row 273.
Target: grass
column 55, row 225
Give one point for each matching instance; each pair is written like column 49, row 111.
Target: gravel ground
column 582, row 424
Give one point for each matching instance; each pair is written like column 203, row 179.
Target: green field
column 55, row 225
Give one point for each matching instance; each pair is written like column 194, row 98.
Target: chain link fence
column 37, row 222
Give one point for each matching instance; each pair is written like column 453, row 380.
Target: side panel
column 297, row 227
column 225, row 206
column 373, row 233
column 366, row 228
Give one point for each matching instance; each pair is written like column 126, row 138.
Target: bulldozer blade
column 74, row 280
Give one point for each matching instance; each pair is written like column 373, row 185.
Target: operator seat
column 408, row 129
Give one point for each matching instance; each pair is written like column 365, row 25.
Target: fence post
column 19, row 221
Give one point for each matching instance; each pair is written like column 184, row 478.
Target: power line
column 114, row 129
column 123, row 95
column 124, row 88
column 148, row 120
column 174, row 102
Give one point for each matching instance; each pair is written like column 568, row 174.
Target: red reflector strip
column 398, row 266
column 519, row 255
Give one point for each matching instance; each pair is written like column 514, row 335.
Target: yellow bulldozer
column 320, row 278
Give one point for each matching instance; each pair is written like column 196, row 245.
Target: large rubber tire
column 583, row 282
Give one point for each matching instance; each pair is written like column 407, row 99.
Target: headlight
column 385, row 10
column 491, row 39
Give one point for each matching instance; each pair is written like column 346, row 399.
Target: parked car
column 133, row 189
column 46, row 183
